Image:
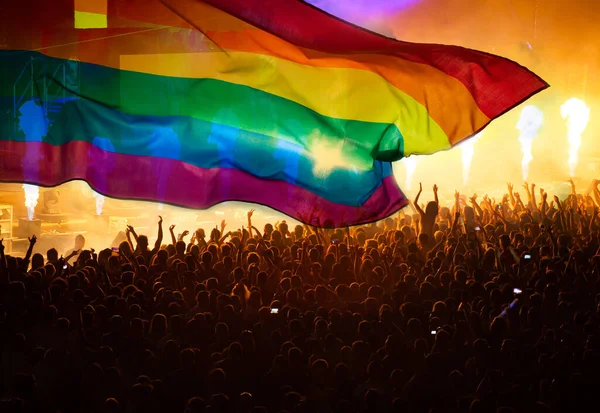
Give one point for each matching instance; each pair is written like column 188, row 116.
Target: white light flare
column 468, row 151
column 328, row 156
column 99, row 202
column 529, row 124
column 32, row 194
column 577, row 115
column 410, row 163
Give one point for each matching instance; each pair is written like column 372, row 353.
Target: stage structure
column 6, row 226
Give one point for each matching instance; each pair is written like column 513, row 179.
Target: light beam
column 577, row 115
column 529, row 124
column 32, row 194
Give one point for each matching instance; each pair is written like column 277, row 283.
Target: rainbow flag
column 196, row 102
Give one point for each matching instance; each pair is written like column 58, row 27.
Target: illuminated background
column 555, row 38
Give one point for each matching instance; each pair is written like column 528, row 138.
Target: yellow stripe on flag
column 85, row 20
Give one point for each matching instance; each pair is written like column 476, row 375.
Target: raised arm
column 71, row 255
column 561, row 214
column 511, row 193
column 519, row 202
column 182, row 236
column 223, row 226
column 437, row 246
column 173, row 238
column 159, row 239
column 132, row 230
column 224, row 237
column 250, row 227
column 32, row 242
column 529, row 200
column 573, row 188
column 455, row 223
column 435, row 195
column 416, row 203
column 456, row 202
column 574, row 193
column 476, row 206
column 261, row 240
column 128, row 236
column 596, row 192
column 533, row 200
column 544, row 196
column 129, row 232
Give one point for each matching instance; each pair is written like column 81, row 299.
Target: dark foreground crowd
column 486, row 306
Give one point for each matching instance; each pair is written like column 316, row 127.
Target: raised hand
column 185, row 233
column 160, row 220
column 435, row 189
column 172, row 227
column 250, row 214
column 420, row 187
column 32, row 240
column 511, row 187
column 223, row 225
column 456, row 195
column 72, row 254
column 474, row 198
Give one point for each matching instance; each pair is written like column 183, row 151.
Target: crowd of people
column 481, row 306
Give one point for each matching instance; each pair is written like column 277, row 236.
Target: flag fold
column 196, row 102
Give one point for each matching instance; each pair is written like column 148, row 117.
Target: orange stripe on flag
column 92, row 6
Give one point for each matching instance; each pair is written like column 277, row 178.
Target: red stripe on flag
column 497, row 84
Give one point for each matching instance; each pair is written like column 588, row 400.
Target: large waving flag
column 195, row 102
